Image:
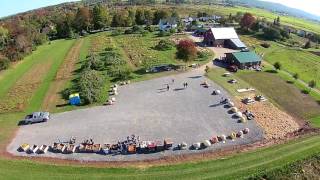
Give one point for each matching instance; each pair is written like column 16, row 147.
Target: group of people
column 185, row 85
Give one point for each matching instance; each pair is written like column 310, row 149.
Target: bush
column 202, row 54
column 128, row 31
column 116, row 32
column 150, row 28
column 277, row 65
column 186, row 50
column 265, row 45
column 4, row 63
column 173, row 31
column 307, row 45
column 164, row 45
column 272, row 33
column 164, row 33
column 91, row 84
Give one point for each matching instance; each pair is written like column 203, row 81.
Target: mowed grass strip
column 64, row 75
column 239, row 166
column 286, row 95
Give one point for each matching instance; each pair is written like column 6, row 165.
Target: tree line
column 21, row 34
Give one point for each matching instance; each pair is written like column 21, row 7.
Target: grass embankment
column 293, row 60
column 284, row 95
column 26, row 70
column 239, row 166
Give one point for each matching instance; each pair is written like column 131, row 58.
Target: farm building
column 243, row 59
column 167, row 24
column 223, row 37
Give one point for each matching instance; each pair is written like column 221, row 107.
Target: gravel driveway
column 148, row 110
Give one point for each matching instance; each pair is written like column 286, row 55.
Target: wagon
column 160, row 145
column 114, row 148
column 167, row 143
column 196, row 146
column 182, row 146
column 59, row 147
column 214, row 140
column 43, row 149
column 33, row 149
column 96, row 148
column 132, row 149
column 70, row 148
column 105, row 148
column 24, row 147
column 206, row 143
column 151, row 145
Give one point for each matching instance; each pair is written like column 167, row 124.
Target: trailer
column 43, row 149
column 105, row 148
column 168, row 143
column 132, row 149
column 151, row 145
column 24, row 147
column 58, row 147
column 33, row 149
column 160, row 146
column 69, row 149
column 96, row 148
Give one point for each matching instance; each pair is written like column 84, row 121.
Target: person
column 168, row 87
column 186, row 84
column 172, row 81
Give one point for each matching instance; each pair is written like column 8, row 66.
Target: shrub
column 91, row 84
column 265, row 45
column 4, row 63
column 272, row 33
column 296, row 76
column 307, row 45
column 277, row 65
column 173, row 31
column 164, row 33
column 164, row 45
column 116, row 32
column 150, row 28
column 128, row 31
column 186, row 50
column 202, row 54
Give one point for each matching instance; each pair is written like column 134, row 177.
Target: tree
column 91, row 84
column 164, row 45
column 271, row 33
column 307, row 45
column 160, row 14
column 100, row 17
column 140, row 17
column 82, row 19
column 296, row 76
column 186, row 50
column 277, row 65
column 247, row 21
column 148, row 15
column 4, row 63
column 4, row 35
column 312, row 84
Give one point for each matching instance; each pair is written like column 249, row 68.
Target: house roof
column 238, row 43
column 246, row 57
column 224, row 33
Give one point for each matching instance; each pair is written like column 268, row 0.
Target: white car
column 37, row 117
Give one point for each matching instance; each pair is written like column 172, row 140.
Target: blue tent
column 74, row 99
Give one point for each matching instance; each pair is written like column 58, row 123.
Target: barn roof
column 246, row 57
column 238, row 43
column 224, row 33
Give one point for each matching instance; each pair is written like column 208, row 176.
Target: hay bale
column 240, row 134
column 234, row 109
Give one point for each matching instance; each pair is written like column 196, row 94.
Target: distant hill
column 279, row 8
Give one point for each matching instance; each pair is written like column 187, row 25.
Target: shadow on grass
column 305, row 91
column 271, row 71
column 290, row 82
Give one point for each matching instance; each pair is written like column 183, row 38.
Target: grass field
column 240, row 166
column 221, row 10
column 293, row 60
column 283, row 94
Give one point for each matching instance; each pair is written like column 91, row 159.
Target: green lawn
column 239, row 166
column 298, row 23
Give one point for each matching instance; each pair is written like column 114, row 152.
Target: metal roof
column 238, row 43
column 246, row 57
column 224, row 33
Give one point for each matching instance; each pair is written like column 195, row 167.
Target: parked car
column 37, row 117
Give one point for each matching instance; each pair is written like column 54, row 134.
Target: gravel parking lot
column 148, row 110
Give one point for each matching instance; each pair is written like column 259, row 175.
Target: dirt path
column 64, row 74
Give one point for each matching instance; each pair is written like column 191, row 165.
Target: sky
column 310, row 6
column 10, row 7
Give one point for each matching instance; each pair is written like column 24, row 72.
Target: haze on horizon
column 11, row 7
